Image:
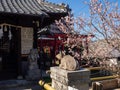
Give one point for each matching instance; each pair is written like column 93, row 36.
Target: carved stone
column 68, row 62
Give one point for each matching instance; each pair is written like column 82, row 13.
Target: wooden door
column 9, row 52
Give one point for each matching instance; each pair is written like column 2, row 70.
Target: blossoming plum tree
column 104, row 23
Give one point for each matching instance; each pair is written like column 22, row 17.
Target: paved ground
column 32, row 87
column 24, row 84
column 19, row 85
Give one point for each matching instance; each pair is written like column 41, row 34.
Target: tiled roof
column 54, row 29
column 29, row 7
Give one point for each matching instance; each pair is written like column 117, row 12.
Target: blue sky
column 77, row 6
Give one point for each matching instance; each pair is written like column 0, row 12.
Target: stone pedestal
column 70, row 80
column 33, row 72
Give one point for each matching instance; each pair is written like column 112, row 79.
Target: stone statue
column 33, row 56
column 34, row 71
column 68, row 62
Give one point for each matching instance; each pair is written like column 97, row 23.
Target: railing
column 45, row 85
column 103, row 78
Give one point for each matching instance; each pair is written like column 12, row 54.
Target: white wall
column 26, row 40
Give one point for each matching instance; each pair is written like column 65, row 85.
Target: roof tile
column 32, row 7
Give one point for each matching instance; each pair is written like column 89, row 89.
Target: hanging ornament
column 5, row 28
column 10, row 34
column 1, row 32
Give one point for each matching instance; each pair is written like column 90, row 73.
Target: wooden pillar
column 55, row 50
column 35, row 29
column 19, row 53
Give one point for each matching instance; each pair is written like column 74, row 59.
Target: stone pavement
column 24, row 88
column 22, row 84
column 19, row 85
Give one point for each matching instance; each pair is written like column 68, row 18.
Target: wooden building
column 19, row 22
column 52, row 37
